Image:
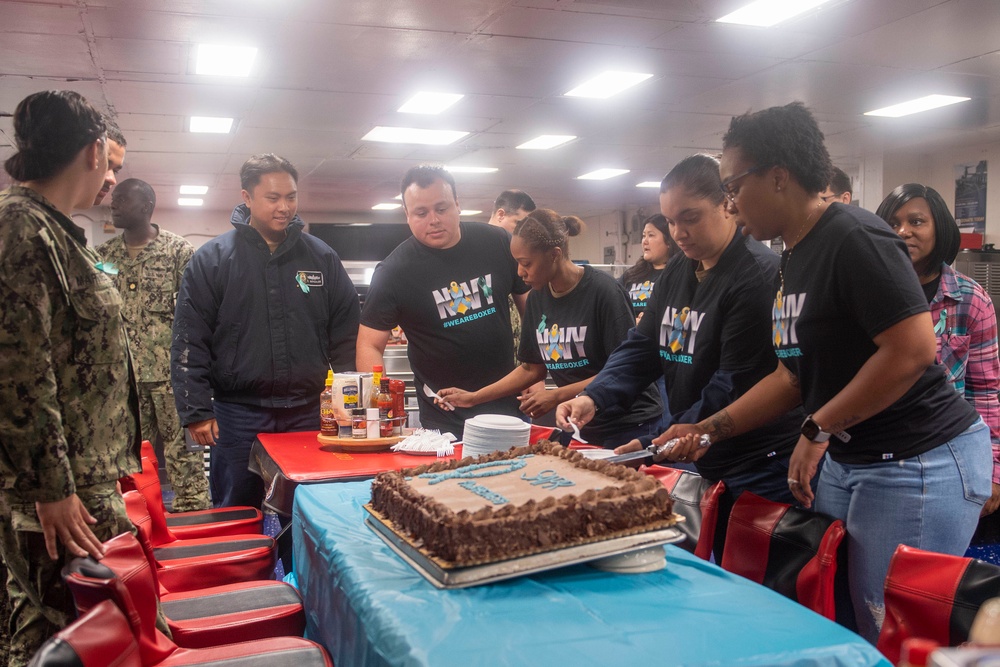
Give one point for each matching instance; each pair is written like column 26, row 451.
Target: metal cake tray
column 488, row 573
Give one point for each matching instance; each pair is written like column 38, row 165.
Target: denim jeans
column 229, row 476
column 931, row 502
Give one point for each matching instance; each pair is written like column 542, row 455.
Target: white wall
column 937, row 170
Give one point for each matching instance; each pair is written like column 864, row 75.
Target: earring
column 778, row 189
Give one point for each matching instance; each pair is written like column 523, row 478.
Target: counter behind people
column 69, row 426
column 575, row 317
column 707, row 331
column 907, row 459
column 447, row 287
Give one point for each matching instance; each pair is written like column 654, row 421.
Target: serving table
column 368, row 607
column 285, row 460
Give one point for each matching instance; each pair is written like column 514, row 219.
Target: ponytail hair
column 543, row 229
column 50, row 128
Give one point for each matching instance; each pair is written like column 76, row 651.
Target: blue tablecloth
column 368, row 607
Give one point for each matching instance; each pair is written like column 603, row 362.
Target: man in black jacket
column 263, row 312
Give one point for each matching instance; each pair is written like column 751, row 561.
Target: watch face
column 810, row 429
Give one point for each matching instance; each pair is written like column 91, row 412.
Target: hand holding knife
column 654, row 451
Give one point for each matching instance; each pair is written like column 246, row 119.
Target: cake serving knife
column 634, row 459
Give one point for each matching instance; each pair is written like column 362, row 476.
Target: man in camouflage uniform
column 147, row 264
column 69, row 425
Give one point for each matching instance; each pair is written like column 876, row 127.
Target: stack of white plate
column 485, row 434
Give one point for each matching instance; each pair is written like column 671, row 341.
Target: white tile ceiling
column 330, row 70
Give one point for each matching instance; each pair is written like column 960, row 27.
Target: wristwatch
column 812, row 431
column 584, row 393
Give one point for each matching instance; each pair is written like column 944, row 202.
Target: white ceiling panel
column 327, row 72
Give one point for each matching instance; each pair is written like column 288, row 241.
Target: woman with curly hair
column 906, row 458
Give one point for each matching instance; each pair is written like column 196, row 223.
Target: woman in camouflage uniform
column 68, row 429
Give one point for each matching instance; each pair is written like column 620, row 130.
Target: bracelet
column 584, row 393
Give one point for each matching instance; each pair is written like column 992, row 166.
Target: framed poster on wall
column 970, row 197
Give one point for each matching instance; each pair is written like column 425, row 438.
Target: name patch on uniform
column 311, row 278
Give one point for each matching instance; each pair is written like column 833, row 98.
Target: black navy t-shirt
column 848, row 280
column 574, row 335
column 641, row 291
column 452, row 305
column 714, row 339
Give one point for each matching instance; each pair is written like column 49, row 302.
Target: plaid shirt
column 966, row 328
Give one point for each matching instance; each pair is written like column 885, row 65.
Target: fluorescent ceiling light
column 545, row 141
column 608, row 84
column 210, row 124
column 194, row 189
column 916, row 106
column 385, row 207
column 764, row 13
column 469, row 212
column 411, row 135
column 217, row 60
column 648, row 184
column 601, row 174
column 188, row 201
column 424, row 102
column 399, row 196
column 471, row 170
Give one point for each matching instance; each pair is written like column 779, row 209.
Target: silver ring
column 792, row 482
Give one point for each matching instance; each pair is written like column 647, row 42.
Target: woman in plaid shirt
column 964, row 320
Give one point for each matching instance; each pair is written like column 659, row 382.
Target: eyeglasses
column 726, row 184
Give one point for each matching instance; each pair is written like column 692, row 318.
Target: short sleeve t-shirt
column 452, row 305
column 641, row 291
column 574, row 335
column 714, row 344
column 848, row 280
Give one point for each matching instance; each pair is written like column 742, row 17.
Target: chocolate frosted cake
column 518, row 502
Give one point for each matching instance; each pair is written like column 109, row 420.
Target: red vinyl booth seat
column 697, row 500
column 185, row 565
column 790, row 550
column 933, row 596
column 134, row 593
column 189, row 525
column 100, row 638
column 212, row 616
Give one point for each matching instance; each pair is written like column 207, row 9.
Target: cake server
column 652, row 451
column 576, row 432
column 430, row 393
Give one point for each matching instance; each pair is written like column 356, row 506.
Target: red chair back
column 933, row 596
column 99, row 638
column 788, row 549
column 124, row 577
column 697, row 500
column 539, row 433
column 147, row 482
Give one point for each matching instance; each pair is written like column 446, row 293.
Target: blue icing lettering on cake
column 477, row 470
column 548, row 479
column 480, row 490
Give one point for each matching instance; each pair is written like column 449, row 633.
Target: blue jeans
column 229, row 477
column 931, row 502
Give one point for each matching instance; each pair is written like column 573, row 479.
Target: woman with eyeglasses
column 965, row 323
column 905, row 459
column 707, row 332
column 68, row 428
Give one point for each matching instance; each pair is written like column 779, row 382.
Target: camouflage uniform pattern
column 69, row 422
column 148, row 286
